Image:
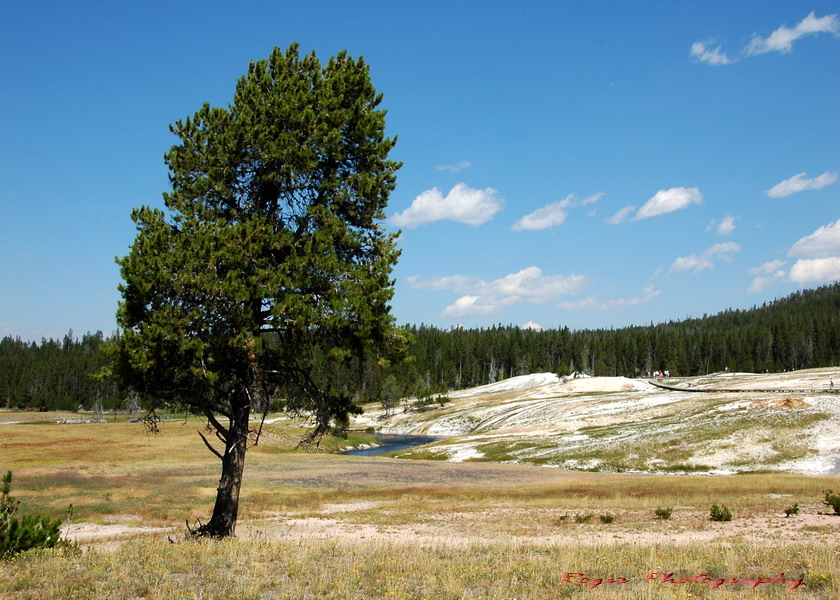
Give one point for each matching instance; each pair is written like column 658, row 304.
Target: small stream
column 391, row 442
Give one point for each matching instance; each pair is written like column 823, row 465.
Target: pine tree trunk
column 226, row 509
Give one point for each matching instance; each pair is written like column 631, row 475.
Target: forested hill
column 796, row 332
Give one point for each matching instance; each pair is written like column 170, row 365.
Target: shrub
column 583, row 518
column 422, row 404
column 720, row 513
column 605, row 519
column 24, row 533
column 8, row 505
column 792, row 510
column 664, row 513
column 832, row 500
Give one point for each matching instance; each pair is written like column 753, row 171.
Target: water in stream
column 393, row 443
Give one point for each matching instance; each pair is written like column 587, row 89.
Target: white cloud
column 530, row 285
column 768, row 273
column 693, row 262
column 446, row 282
column 592, row 199
column 532, row 325
column 773, row 267
column 816, row 270
column 481, row 297
column 706, row 260
column 782, row 39
column 546, row 217
column 818, row 261
column 666, row 201
column 591, row 303
column 467, row 306
column 723, row 227
column 711, row 56
column 621, row 215
column 724, row 250
column 823, row 243
column 759, row 283
column 462, row 204
column 464, row 164
column 553, row 214
column 800, row 183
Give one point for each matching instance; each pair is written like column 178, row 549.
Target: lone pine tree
column 270, row 258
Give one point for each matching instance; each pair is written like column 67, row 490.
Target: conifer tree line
column 55, row 374
column 799, row 331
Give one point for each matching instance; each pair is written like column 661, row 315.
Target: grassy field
column 321, row 525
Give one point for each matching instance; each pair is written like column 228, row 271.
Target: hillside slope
column 728, row 422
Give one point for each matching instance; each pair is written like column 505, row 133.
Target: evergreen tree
column 270, row 258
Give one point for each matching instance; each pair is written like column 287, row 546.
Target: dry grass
column 483, row 530
column 261, row 570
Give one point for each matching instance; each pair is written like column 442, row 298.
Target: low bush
column 792, row 510
column 720, row 513
column 664, row 513
column 832, row 500
column 19, row 534
column 605, row 519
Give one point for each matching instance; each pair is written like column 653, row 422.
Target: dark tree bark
column 226, row 508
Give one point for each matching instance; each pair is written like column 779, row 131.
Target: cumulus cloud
column 592, row 303
column 666, row 201
column 818, row 261
column 621, row 215
column 445, row 282
column 706, row 260
column 783, row 38
column 759, row 283
column 694, row 262
column 532, row 325
column 824, row 242
column 712, row 56
column 469, row 306
column 464, row 164
column 723, row 227
column 768, row 273
column 546, row 217
column 773, row 267
column 800, row 183
column 816, row 270
column 462, row 204
column 530, row 285
column 554, row 214
column 480, row 297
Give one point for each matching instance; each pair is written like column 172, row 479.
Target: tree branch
column 211, row 448
column 221, row 430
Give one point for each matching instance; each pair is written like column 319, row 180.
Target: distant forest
column 799, row 331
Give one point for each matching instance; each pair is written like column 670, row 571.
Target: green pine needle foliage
column 720, row 513
column 832, row 500
column 19, row 534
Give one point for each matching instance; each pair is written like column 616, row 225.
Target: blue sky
column 587, row 164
